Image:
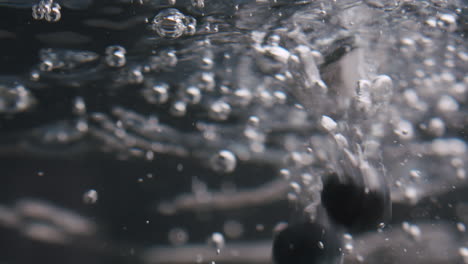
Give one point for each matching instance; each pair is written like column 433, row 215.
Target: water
column 155, row 131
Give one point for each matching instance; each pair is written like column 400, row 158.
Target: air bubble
column 171, row 23
column 447, row 22
column 166, row 60
column 115, row 56
column 178, row 109
column 217, row 241
column 413, row 230
column 463, row 251
column 404, row 130
column 54, row 14
column 436, row 127
column 134, row 76
column 192, row 95
column 156, row 94
column 447, row 104
column 328, row 124
column 224, row 161
column 79, row 106
column 47, row 10
column 178, row 236
column 219, row 111
column 383, row 4
column 198, row 3
column 15, row 98
column 242, row 97
column 46, row 66
column 90, row 197
column 233, row 229
column 191, row 26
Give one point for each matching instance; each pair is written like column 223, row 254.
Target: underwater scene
column 233, row 131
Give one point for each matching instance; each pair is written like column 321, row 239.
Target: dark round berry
column 307, row 243
column 354, row 205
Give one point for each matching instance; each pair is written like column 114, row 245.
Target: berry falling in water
column 307, row 243
column 354, row 205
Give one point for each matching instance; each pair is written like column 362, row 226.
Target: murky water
column 177, row 131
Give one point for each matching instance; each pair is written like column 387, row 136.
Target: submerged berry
column 354, row 205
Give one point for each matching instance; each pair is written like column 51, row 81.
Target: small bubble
column 280, row 97
column 156, row 94
column 180, row 167
column 404, row 130
column 285, row 174
column 447, row 104
column 192, row 95
column 90, row 197
column 217, row 241
column 415, row 174
column 79, row 106
column 436, row 127
column 463, row 251
column 321, row 245
column 54, row 14
column 178, row 236
column 178, row 109
column 135, row 76
column 383, row 4
column 224, row 161
column 411, row 194
column 115, row 56
column 205, row 81
column 198, row 3
column 328, row 123
column 46, row 66
column 15, row 98
column 447, row 22
column 242, row 97
column 219, row 111
column 412, row 230
column 35, row 75
column 233, row 229
column 38, row 12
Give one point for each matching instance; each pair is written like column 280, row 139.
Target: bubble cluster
column 15, row 98
column 171, row 23
column 65, row 59
column 48, row 10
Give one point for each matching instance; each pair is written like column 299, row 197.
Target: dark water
column 136, row 131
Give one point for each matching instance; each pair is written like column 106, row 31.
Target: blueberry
column 307, row 243
column 349, row 202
